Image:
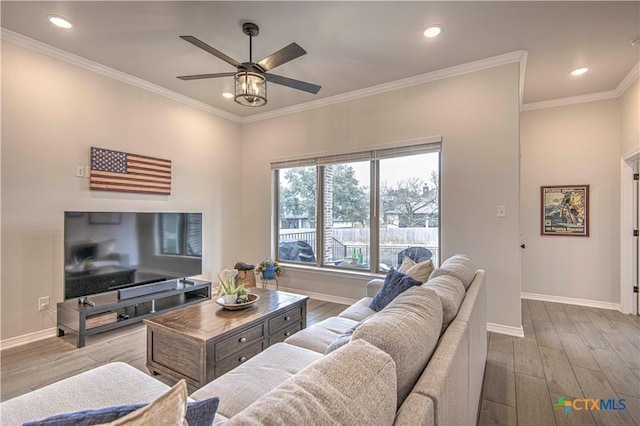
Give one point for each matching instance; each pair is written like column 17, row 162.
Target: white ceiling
column 350, row 45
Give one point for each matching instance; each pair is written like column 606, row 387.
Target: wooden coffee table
column 203, row 341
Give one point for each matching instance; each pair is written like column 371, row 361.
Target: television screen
column 106, row 251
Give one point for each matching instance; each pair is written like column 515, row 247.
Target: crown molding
column 591, row 97
column 629, row 79
column 63, row 55
column 622, row 87
column 482, row 64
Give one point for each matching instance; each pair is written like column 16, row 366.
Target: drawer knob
column 288, row 333
column 287, row 318
column 242, row 339
column 242, row 359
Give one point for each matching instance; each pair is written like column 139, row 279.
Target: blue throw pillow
column 394, row 283
column 199, row 413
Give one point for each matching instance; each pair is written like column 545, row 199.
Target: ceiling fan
column 251, row 77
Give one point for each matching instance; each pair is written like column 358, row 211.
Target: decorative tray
column 252, row 298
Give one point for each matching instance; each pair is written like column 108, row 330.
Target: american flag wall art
column 123, row 172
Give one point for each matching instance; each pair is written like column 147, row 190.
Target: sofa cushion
column 394, row 283
column 119, row 384
column 319, row 336
column 451, row 292
column 359, row 310
column 354, row 385
column 460, row 266
column 408, row 330
column 420, row 271
column 241, row 386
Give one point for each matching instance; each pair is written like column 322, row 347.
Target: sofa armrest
column 105, row 386
column 374, row 286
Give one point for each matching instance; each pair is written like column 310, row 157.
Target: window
column 181, row 234
column 325, row 207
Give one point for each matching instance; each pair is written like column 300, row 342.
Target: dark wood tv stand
column 108, row 312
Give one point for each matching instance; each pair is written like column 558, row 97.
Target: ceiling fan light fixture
column 250, row 89
column 60, row 21
column 433, row 31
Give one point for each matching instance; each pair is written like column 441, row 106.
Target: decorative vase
column 230, row 299
column 269, row 272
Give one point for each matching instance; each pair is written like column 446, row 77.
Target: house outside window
column 361, row 211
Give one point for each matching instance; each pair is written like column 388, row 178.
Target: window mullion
column 374, row 222
column 319, row 248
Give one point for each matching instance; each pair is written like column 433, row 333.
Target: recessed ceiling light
column 227, row 95
column 60, row 21
column 580, row 71
column 433, row 31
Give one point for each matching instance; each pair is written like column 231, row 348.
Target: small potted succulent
column 269, row 268
column 231, row 293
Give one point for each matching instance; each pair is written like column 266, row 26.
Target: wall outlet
column 43, row 303
column 80, row 171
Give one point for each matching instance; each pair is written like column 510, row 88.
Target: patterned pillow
column 418, row 271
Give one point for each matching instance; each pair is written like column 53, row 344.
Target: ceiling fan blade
column 282, row 56
column 290, row 82
column 204, row 46
column 200, row 76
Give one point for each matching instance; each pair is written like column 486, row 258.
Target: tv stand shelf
column 108, row 312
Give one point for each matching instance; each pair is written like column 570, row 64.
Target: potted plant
column 269, row 268
column 231, row 293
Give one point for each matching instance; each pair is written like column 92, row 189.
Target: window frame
column 373, row 155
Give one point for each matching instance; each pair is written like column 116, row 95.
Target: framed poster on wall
column 565, row 210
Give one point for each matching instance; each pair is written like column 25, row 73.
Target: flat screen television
column 107, row 251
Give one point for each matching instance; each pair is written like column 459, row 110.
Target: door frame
column 628, row 305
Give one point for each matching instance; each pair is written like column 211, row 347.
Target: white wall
column 477, row 116
column 52, row 113
column 630, row 119
column 576, row 144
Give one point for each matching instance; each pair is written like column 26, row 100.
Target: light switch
column 502, row 210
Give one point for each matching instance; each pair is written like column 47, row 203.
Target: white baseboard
column 505, row 329
column 28, row 338
column 571, row 301
column 317, row 296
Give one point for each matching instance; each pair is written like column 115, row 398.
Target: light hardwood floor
column 570, row 351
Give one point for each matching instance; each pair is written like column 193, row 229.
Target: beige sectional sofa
column 397, row 367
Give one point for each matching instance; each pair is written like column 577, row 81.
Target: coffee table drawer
column 238, row 358
column 239, row 341
column 280, row 335
column 285, row 319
